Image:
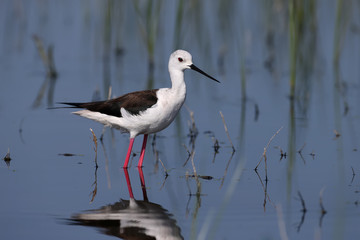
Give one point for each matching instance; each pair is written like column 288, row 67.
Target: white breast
column 152, row 120
column 166, row 109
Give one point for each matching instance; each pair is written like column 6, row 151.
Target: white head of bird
column 178, row 62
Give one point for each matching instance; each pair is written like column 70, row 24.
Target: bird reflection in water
column 131, row 219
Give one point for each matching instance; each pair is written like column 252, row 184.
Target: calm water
column 280, row 65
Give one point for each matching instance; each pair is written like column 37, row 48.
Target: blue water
column 98, row 44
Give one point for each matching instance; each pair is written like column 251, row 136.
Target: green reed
column 149, row 21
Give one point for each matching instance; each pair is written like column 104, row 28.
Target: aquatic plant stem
column 227, row 131
column 264, row 153
column 95, row 147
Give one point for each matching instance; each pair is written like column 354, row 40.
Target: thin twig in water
column 266, row 195
column 227, row 132
column 282, row 153
column 95, row 147
column 302, row 202
column 163, row 184
column 226, row 169
column 216, row 145
column 94, row 192
column 303, row 210
column 353, row 175
column 156, row 153
column 165, row 170
column 193, row 165
column 190, row 194
column 300, row 153
column 189, row 155
column 303, row 146
column 264, row 153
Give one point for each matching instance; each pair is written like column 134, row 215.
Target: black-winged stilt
column 144, row 112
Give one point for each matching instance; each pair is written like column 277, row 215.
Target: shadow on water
column 131, row 219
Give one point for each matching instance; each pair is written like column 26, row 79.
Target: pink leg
column 143, row 187
column 129, row 152
column 128, row 183
column 142, row 151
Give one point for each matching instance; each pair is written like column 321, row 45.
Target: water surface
column 282, row 65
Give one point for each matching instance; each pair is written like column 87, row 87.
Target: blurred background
column 289, row 97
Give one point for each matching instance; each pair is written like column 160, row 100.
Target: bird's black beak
column 195, row 68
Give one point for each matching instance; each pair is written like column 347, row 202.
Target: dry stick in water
column 264, row 153
column 189, row 154
column 266, row 195
column 95, row 147
column 226, row 169
column 300, row 153
column 165, row 170
column 193, row 165
column 156, row 153
column 233, row 148
column 353, row 175
column 302, row 202
column 157, row 158
column 198, row 184
column 94, row 192
column 227, row 132
column 303, row 210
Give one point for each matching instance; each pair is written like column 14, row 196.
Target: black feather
column 134, row 103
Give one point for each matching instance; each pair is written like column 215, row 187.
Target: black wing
column 134, row 103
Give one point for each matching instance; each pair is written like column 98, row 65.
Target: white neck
column 177, row 82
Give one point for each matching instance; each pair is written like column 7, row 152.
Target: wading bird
column 143, row 112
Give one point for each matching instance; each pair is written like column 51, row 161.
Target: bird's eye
column 180, row 59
